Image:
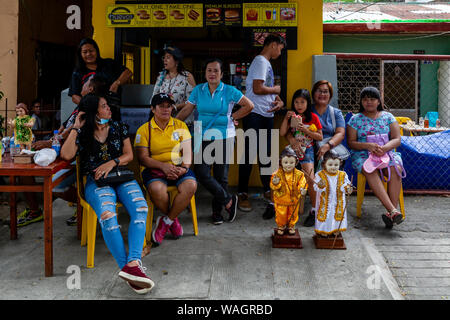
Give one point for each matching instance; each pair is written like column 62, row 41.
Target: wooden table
column 12, row 170
column 415, row 129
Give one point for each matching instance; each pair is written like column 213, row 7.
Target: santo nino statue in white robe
column 331, row 186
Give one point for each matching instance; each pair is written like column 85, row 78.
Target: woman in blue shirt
column 214, row 131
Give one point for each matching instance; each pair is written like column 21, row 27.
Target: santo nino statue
column 289, row 187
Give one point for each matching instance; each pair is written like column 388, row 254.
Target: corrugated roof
column 385, row 12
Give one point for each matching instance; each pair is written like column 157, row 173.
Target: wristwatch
column 77, row 129
column 331, row 145
column 117, row 161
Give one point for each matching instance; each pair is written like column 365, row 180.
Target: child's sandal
column 396, row 216
column 280, row 231
column 387, row 220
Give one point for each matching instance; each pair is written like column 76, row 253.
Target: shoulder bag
column 154, row 172
column 339, row 150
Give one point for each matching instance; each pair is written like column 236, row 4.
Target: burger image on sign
column 120, row 15
column 193, row 15
column 232, row 15
column 213, row 14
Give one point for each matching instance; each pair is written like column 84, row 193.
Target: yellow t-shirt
column 164, row 144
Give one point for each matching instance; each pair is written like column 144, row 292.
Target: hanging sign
column 269, row 14
column 155, row 15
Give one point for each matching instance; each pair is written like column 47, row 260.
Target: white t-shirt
column 260, row 69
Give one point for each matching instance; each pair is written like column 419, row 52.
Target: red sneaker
column 176, row 229
column 136, row 276
column 160, row 231
column 139, row 290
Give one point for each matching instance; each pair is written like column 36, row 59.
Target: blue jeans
column 217, row 184
column 104, row 200
column 256, row 122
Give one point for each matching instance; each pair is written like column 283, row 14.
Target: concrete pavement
column 235, row 261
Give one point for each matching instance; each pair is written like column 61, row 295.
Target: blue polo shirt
column 327, row 123
column 214, row 111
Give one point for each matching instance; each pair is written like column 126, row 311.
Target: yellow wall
column 310, row 42
column 103, row 35
column 9, row 50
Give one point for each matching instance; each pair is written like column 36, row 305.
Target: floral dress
column 179, row 88
column 99, row 153
column 365, row 126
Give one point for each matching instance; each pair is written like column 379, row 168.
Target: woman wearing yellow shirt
column 163, row 147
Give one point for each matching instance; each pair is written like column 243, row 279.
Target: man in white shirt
column 260, row 89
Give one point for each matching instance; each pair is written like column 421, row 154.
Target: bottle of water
column 12, row 147
column 56, row 144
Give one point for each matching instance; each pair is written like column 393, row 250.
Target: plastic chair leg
column 402, row 202
column 194, row 215
column 360, row 189
column 84, row 228
column 91, row 236
column 148, row 232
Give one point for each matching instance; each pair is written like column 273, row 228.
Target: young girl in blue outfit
column 306, row 130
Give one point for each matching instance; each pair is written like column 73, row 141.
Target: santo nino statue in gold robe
column 289, row 186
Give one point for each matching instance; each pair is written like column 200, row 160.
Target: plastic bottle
column 426, row 122
column 438, row 123
column 421, row 121
column 12, row 146
column 56, row 145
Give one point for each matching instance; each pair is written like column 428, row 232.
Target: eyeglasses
column 323, row 91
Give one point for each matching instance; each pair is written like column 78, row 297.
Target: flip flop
column 396, row 216
column 387, row 220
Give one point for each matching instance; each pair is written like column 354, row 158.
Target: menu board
column 155, row 15
column 223, row 14
column 269, row 15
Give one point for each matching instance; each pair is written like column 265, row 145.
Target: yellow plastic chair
column 173, row 191
column 89, row 220
column 361, row 186
column 403, row 120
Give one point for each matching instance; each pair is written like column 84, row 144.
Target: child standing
column 306, row 130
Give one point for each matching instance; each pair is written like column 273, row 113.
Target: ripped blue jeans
column 103, row 200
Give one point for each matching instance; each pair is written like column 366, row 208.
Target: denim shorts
column 309, row 156
column 147, row 178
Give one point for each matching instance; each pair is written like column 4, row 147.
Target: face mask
column 102, row 121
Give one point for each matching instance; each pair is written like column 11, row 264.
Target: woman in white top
column 176, row 82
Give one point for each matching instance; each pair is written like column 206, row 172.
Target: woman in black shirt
column 102, row 145
column 90, row 63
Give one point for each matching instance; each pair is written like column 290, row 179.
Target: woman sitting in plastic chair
column 373, row 134
column 163, row 147
column 102, row 145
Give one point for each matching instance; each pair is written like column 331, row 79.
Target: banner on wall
column 269, row 14
column 155, row 15
column 238, row 14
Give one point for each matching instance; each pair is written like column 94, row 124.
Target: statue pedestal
column 286, row 241
column 327, row 243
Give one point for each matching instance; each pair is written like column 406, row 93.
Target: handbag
column 154, row 172
column 340, row 151
column 117, row 175
column 381, row 140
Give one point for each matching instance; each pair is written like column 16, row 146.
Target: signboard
column 269, row 14
column 256, row 36
column 155, row 15
column 223, row 14
column 181, row 15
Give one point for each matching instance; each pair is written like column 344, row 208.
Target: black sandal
column 387, row 220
